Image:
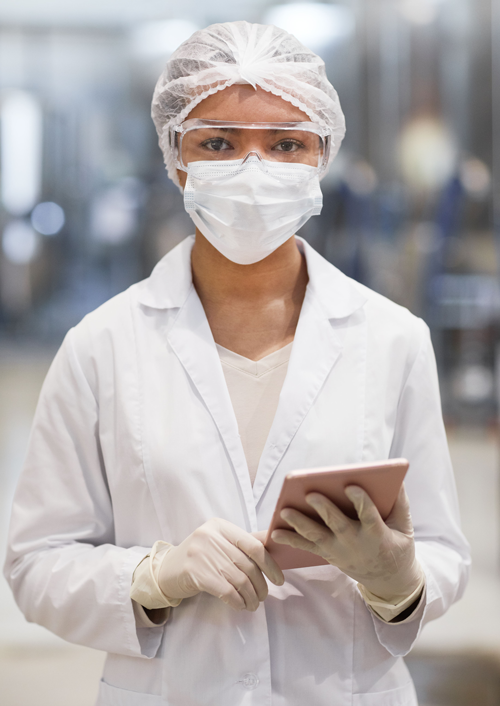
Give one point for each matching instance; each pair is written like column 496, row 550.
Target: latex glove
column 223, row 560
column 379, row 555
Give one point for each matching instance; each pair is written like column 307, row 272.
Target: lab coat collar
column 337, row 295
column 170, row 282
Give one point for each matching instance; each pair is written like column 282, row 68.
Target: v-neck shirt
column 254, row 388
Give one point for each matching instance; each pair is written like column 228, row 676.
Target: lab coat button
column 250, row 681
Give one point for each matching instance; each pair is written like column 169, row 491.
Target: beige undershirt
column 254, row 388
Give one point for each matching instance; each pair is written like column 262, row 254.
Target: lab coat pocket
column 402, row 696
column 113, row 696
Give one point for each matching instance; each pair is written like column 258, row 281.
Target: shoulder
column 385, row 314
column 167, row 287
column 110, row 321
column 104, row 341
column 395, row 337
column 341, row 297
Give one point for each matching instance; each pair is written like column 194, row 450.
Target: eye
column 288, row 146
column 216, row 144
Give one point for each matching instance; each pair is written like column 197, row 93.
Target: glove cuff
column 388, row 610
column 145, row 588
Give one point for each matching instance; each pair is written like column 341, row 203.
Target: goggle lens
column 215, row 141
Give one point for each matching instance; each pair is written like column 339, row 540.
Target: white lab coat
column 135, row 440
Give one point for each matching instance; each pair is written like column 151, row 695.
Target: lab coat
column 135, row 440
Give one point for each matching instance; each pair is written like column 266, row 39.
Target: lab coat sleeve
column 62, row 564
column 440, row 545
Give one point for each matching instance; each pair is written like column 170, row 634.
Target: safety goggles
column 216, row 140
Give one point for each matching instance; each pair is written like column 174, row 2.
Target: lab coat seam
column 153, row 488
column 124, row 597
column 402, row 390
column 76, row 365
column 416, row 361
column 361, row 441
column 73, row 358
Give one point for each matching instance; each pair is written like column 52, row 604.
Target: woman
column 171, row 415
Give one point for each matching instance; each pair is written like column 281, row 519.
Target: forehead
column 243, row 103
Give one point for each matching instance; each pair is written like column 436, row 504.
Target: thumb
column 400, row 516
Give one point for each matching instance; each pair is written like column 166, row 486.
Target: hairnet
column 240, row 52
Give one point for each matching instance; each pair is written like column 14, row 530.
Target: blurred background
column 411, row 209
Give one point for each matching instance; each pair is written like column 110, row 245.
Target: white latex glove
column 379, row 555
column 223, row 560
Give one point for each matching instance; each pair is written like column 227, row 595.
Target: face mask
column 248, row 208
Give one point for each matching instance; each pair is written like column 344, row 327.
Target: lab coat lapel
column 330, row 298
column 191, row 340
column 315, row 351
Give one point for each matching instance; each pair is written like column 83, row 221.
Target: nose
column 253, row 153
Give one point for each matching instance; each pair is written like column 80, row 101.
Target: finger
column 254, row 548
column 221, row 588
column 400, row 516
column 333, row 516
column 368, row 514
column 250, row 569
column 311, row 530
column 240, row 581
column 261, row 535
column 292, row 539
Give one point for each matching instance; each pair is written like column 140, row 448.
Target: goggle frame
column 177, row 133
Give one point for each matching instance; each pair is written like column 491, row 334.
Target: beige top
column 254, row 388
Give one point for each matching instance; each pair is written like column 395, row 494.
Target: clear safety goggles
column 216, row 140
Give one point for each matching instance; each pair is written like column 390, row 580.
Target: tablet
column 380, row 479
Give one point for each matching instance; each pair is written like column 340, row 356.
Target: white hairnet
column 240, row 52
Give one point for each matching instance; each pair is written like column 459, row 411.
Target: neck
column 283, row 274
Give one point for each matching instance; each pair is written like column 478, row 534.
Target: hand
column 379, row 555
column 223, row 560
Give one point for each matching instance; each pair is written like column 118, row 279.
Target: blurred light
column 428, row 153
column 314, row 24
column 361, row 178
column 47, row 218
column 475, row 177
column 115, row 212
column 473, row 384
column 20, row 243
column 153, row 39
column 21, row 152
column 420, row 12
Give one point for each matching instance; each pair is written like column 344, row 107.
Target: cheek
column 182, row 176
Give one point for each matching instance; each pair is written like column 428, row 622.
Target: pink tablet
column 381, row 480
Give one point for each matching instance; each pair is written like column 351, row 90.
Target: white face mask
column 248, row 208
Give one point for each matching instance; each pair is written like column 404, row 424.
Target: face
column 242, row 103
